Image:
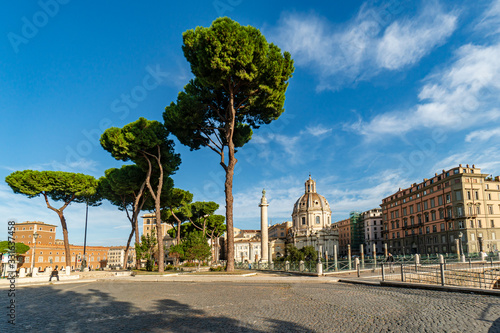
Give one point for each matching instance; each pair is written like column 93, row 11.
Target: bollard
column 301, row 266
column 441, row 267
column 326, row 260
column 349, row 255
column 383, row 272
column 335, row 257
column 287, row 266
column 356, row 262
column 417, row 262
column 68, row 270
column 319, row 268
column 374, row 256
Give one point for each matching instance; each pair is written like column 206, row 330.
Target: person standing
column 390, row 260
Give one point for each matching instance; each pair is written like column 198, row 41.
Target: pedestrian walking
column 390, row 260
column 54, row 273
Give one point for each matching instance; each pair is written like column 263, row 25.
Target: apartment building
column 428, row 217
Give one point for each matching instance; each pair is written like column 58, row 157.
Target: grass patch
column 236, row 272
column 144, row 272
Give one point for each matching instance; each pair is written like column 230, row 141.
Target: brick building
column 428, row 217
column 344, row 229
column 50, row 251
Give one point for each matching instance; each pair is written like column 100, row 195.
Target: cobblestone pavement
column 114, row 306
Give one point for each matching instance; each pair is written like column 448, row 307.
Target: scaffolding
column 357, row 232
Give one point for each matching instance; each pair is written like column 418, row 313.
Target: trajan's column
column 264, row 228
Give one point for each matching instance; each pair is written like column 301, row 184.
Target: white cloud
column 318, row 130
column 488, row 159
column 82, row 165
column 405, row 42
column 483, row 135
column 373, row 41
column 490, row 21
column 462, row 95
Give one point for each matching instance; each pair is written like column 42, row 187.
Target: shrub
column 217, row 269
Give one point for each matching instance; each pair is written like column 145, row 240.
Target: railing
column 482, row 274
column 428, row 269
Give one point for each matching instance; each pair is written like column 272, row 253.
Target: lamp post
column 35, row 236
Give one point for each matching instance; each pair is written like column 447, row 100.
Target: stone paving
column 128, row 306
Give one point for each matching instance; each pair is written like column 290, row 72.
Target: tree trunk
column 138, row 204
column 161, row 250
column 137, row 239
column 178, row 236
column 229, row 182
column 66, row 239
column 229, row 206
column 125, row 260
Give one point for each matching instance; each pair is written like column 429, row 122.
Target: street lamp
column 35, row 236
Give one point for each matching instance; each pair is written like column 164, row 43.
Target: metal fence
column 448, row 270
column 471, row 274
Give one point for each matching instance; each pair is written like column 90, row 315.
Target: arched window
column 317, row 220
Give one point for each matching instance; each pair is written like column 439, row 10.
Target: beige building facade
column 428, row 217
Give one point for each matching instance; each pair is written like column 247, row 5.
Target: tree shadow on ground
column 49, row 309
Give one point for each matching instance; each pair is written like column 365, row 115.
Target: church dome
column 311, row 210
column 310, row 200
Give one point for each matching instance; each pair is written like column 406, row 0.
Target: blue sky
column 382, row 96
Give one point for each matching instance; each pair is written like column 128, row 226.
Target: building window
column 440, row 200
column 460, row 224
column 490, row 209
column 478, row 210
column 434, row 228
column 479, row 225
column 458, row 195
column 427, row 230
column 317, row 220
column 477, row 195
column 442, row 226
column 448, row 199
column 492, row 222
column 303, row 220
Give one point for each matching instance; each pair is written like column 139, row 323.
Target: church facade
column 311, row 218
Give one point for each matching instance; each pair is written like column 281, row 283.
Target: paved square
column 114, row 306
